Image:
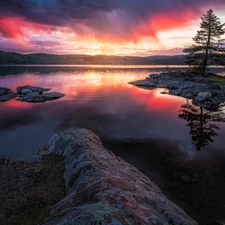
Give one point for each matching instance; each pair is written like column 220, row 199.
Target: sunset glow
column 77, row 86
column 95, row 27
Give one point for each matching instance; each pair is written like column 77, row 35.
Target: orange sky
column 109, row 27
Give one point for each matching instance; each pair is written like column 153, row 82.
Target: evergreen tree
column 209, row 47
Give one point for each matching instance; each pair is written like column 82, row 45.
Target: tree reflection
column 202, row 123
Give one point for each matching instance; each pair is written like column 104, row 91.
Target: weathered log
column 104, row 189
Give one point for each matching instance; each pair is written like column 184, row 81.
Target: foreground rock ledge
column 103, row 189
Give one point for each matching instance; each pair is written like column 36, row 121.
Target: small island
column 202, row 90
column 29, row 93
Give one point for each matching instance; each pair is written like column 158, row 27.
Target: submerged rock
column 104, row 189
column 6, row 94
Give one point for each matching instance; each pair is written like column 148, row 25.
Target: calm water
column 101, row 99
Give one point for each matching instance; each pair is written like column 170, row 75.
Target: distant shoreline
column 102, row 65
column 42, row 58
column 138, row 66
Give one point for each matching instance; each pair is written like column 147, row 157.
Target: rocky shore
column 30, row 189
column 28, row 93
column 201, row 90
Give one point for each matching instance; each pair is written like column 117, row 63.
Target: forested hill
column 41, row 58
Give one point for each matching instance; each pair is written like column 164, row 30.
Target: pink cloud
column 11, row 27
column 36, row 24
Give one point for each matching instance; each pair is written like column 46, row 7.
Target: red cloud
column 123, row 32
column 171, row 20
column 11, row 27
column 18, row 27
column 32, row 26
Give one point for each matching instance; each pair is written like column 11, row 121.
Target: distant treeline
column 7, row 58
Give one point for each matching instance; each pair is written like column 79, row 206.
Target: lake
column 99, row 98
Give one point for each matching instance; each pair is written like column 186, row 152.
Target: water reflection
column 99, row 99
column 203, row 124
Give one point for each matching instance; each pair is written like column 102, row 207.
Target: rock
column 31, row 88
column 4, row 90
column 204, row 96
column 35, row 94
column 7, row 97
column 174, row 85
column 52, row 95
column 25, row 91
column 188, row 95
column 35, row 97
column 213, row 86
column 29, row 94
column 6, row 94
column 31, row 97
column 103, row 189
column 175, row 92
column 163, row 92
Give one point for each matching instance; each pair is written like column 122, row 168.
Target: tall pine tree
column 209, row 48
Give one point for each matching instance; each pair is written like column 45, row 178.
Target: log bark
column 103, row 189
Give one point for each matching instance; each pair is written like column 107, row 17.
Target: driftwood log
column 102, row 189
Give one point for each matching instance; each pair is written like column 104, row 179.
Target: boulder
column 20, row 89
column 204, row 96
column 104, row 189
column 6, row 94
column 36, row 97
column 4, row 90
column 26, row 91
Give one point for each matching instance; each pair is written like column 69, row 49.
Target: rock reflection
column 202, row 123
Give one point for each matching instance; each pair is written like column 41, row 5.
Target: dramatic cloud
column 112, row 21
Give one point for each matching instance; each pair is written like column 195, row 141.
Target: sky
column 109, row 27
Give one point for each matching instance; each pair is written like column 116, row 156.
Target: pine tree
column 209, row 47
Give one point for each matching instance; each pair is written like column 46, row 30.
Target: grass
column 217, row 79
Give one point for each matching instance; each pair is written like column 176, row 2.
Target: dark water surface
column 100, row 99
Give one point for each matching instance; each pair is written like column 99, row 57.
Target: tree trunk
column 205, row 61
column 204, row 66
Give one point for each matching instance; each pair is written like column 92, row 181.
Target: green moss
column 217, row 79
